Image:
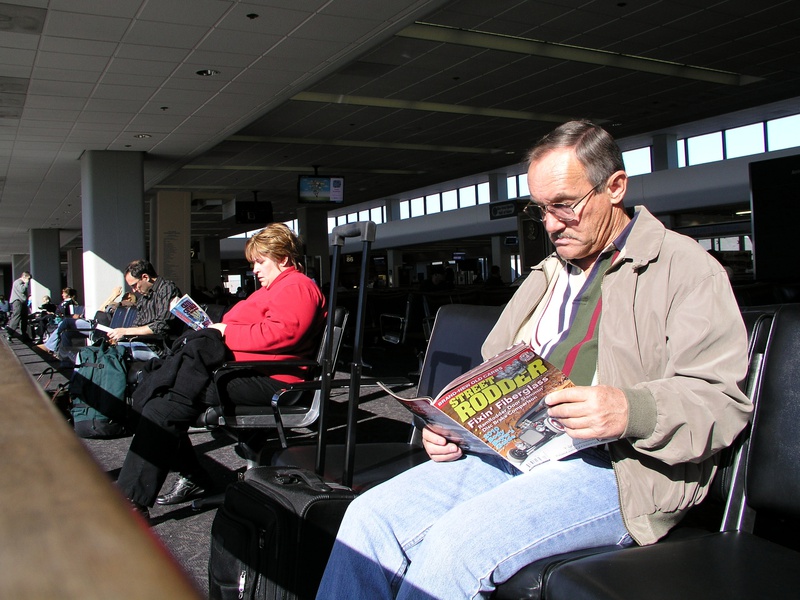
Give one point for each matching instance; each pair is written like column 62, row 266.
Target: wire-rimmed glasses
column 563, row 212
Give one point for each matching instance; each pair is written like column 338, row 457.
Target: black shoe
column 183, row 491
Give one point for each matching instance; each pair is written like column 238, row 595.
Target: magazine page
column 191, row 313
column 500, row 405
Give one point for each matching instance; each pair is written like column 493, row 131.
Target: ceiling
column 393, row 95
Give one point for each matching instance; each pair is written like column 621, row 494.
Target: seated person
column 66, row 318
column 40, row 320
column 155, row 296
column 4, row 308
column 646, row 325
column 70, row 324
column 279, row 321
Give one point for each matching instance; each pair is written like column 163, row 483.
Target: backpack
column 99, row 406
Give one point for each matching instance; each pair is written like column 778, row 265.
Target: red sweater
column 278, row 322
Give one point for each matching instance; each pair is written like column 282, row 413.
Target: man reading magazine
column 645, row 324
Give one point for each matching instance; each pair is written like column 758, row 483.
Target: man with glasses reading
column 645, row 323
column 155, row 295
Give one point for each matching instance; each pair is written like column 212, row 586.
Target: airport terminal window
column 417, row 207
column 638, row 161
column 467, row 196
column 783, row 133
column 483, row 193
column 450, row 200
column 744, row 141
column 511, row 186
column 433, row 204
column 704, row 148
column 524, row 191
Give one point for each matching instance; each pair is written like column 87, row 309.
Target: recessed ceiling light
column 142, row 136
column 207, row 72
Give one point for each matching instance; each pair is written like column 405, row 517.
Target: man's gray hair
column 595, row 148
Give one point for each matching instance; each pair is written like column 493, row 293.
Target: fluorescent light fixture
column 519, row 45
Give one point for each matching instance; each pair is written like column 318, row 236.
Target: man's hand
column 117, row 334
column 599, row 411
column 438, row 447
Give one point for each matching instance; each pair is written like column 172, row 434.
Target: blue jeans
column 53, row 343
column 457, row 529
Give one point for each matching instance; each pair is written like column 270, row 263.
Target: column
column 75, row 271
column 665, row 151
column 498, row 192
column 313, row 226
column 112, row 207
column 45, row 247
column 170, row 237
column 209, row 275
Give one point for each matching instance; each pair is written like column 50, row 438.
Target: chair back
column 339, row 323
column 455, row 344
column 772, row 469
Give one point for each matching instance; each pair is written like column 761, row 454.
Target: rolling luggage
column 272, row 536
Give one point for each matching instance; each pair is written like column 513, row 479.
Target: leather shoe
column 183, row 490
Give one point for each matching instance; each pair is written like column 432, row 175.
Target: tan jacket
column 672, row 338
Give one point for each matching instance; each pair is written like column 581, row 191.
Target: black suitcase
column 272, row 536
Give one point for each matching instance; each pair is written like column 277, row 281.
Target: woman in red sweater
column 282, row 320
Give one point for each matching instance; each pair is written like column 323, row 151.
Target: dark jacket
column 186, row 372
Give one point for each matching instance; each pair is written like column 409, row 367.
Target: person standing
column 18, row 323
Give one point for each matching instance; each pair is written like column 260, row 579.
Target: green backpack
column 97, row 388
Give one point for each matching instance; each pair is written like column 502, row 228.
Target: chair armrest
column 266, row 367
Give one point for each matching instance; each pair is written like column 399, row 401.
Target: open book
column 498, row 408
column 191, row 313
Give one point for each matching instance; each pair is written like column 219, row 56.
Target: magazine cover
column 499, row 408
column 191, row 313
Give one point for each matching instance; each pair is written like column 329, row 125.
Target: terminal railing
column 66, row 532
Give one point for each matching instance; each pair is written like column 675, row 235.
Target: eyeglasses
column 563, row 212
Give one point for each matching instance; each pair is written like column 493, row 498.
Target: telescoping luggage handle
column 366, row 231
column 363, row 229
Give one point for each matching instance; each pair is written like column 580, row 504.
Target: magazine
column 191, row 313
column 498, row 408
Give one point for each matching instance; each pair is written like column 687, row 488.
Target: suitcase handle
column 312, row 480
column 363, row 229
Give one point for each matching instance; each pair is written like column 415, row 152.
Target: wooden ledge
column 66, row 531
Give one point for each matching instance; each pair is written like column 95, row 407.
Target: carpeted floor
column 186, row 532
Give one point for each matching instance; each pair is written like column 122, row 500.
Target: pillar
column 75, row 271
column 112, row 207
column 313, row 229
column 170, row 237
column 45, row 247
column 665, row 152
column 210, row 274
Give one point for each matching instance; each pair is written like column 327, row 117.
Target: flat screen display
column 319, row 189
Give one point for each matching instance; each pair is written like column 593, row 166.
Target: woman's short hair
column 71, row 292
column 594, row 147
column 277, row 242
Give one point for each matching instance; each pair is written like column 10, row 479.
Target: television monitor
column 320, row 189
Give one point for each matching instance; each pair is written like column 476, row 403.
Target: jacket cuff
column 641, row 413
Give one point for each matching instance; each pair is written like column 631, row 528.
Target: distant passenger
column 494, row 279
column 646, row 325
column 18, row 321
